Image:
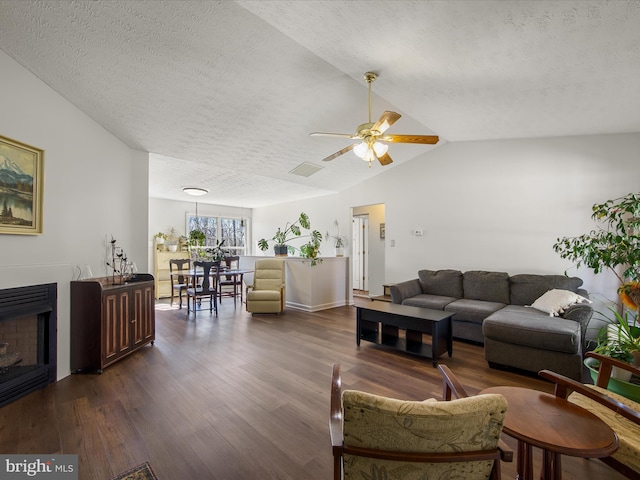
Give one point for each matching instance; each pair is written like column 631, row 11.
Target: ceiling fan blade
column 341, row 135
column 338, row 153
column 384, row 159
column 427, row 139
column 386, row 120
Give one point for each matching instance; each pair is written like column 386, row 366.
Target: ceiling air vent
column 306, row 169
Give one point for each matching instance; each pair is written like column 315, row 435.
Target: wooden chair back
column 620, row 413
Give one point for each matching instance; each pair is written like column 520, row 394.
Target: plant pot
column 636, row 358
column 172, row 248
column 621, row 387
column 159, row 240
column 340, row 251
column 281, row 250
column 620, row 374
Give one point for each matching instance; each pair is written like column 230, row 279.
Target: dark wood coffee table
column 556, row 426
column 381, row 323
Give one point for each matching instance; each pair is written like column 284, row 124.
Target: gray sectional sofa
column 493, row 308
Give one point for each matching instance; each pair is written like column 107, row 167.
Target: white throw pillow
column 556, row 301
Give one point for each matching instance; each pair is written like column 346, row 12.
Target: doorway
column 368, row 264
column 360, row 251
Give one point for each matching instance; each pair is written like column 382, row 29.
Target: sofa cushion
column 424, row 300
column 447, row 283
column 519, row 325
column 526, row 288
column 486, row 286
column 556, row 301
column 472, row 310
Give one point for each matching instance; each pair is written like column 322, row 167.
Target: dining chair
column 381, row 437
column 207, row 288
column 179, row 280
column 229, row 285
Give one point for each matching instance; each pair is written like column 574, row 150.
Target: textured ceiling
column 224, row 94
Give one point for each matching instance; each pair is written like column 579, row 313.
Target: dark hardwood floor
column 235, row 397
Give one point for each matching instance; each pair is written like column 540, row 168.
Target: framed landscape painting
column 21, row 187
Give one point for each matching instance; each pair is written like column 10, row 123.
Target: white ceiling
column 224, row 94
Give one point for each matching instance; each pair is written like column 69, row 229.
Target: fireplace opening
column 27, row 340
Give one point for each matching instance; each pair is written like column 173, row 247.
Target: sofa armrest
column 582, row 314
column 407, row 289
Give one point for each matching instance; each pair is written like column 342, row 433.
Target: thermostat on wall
column 417, row 232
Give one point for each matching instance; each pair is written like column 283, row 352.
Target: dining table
column 196, row 273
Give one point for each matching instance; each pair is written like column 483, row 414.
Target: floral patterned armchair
column 380, row 438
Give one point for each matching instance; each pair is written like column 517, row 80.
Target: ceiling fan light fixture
column 380, row 148
column 369, row 156
column 361, row 149
column 195, row 191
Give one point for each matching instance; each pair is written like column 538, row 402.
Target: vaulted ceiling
column 224, row 94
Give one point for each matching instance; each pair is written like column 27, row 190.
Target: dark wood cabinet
column 110, row 321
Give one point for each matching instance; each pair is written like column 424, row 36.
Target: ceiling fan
column 372, row 135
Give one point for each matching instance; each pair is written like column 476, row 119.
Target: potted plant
column 311, row 249
column 216, row 253
column 290, row 231
column 615, row 244
column 619, row 337
column 160, row 238
column 339, row 241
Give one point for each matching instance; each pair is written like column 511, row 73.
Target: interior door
column 360, row 251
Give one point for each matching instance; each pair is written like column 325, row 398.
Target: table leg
column 529, row 462
column 551, row 466
column 520, row 461
column 435, row 349
column 358, row 327
column 524, row 463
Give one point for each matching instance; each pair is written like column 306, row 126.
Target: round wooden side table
column 556, row 426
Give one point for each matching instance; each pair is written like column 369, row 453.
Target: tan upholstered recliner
column 266, row 295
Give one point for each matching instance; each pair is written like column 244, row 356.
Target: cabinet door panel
column 116, row 336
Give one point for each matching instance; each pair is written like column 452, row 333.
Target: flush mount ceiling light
column 195, row 191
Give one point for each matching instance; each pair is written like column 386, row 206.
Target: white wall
column 322, row 211
column 89, row 177
column 491, row 205
column 500, row 205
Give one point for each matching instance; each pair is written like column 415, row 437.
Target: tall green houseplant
column 613, row 245
column 290, row 231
